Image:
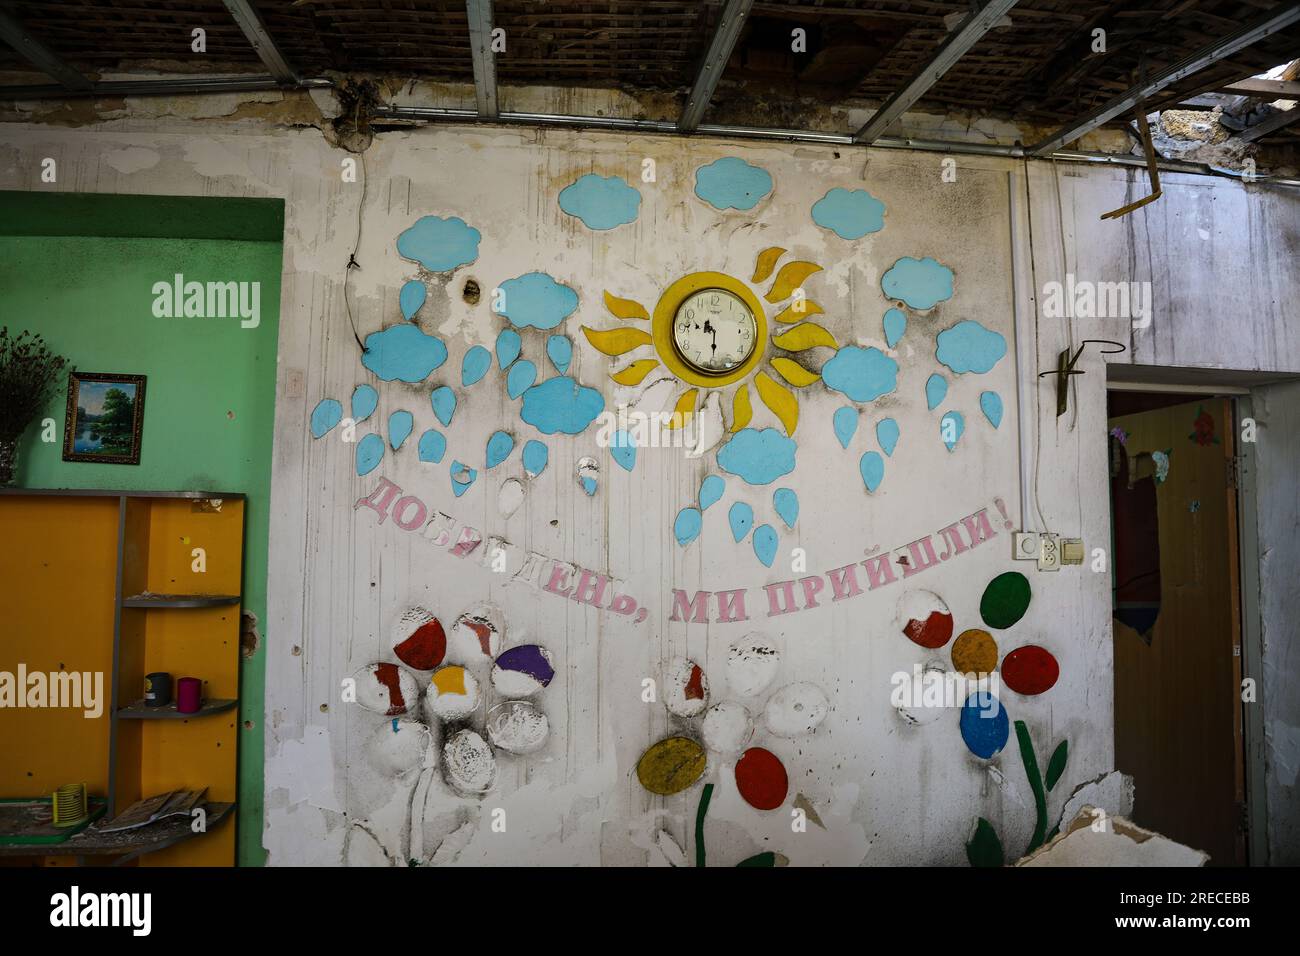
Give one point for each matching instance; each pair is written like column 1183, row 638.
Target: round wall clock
column 735, row 321
column 714, row 331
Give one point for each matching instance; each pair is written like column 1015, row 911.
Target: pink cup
column 189, row 695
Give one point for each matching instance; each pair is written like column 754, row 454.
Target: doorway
column 1177, row 616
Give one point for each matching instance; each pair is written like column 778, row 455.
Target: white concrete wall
column 886, row 792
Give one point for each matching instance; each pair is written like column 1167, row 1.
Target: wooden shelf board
column 126, row 844
column 138, row 711
column 180, row 600
column 122, row 493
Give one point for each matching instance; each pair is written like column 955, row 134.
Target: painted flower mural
column 983, row 721
column 715, row 741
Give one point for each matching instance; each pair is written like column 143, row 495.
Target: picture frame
column 105, row 418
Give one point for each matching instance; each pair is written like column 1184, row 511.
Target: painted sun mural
column 775, row 378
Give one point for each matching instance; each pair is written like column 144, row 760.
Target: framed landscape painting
column 105, row 418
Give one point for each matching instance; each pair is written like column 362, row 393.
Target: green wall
column 80, row 271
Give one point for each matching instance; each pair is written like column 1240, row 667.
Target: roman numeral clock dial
column 714, row 332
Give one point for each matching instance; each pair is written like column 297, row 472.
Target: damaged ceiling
column 1036, row 63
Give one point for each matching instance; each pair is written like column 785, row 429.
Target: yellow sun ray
column 791, row 277
column 625, row 308
column 779, row 400
column 802, row 337
column 794, row 373
column 741, row 410
column 684, row 409
column 636, row 372
column 617, row 341
column 766, row 263
column 797, row 311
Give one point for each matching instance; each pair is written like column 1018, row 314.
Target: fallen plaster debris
column 1097, row 839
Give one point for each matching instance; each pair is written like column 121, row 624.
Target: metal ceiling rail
column 164, row 86
column 433, row 114
column 715, row 60
column 976, row 24
column 39, row 55
column 1253, row 32
column 485, row 64
column 254, row 29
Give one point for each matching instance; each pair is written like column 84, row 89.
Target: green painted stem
column 699, row 823
column 1035, row 784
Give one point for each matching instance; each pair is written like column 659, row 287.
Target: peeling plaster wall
column 1277, row 409
column 886, row 792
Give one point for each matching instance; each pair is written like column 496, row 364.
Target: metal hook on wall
column 1065, row 363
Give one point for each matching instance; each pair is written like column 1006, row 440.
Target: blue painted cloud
column 849, row 213
column 536, row 300
column 732, row 183
column 969, row 347
column 403, row 353
column 440, row 245
column 758, row 457
column 921, row 283
column 861, row 374
column 601, row 202
column 561, row 405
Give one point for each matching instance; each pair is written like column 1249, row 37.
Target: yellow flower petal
column 791, row 277
column 634, row 373
column 779, row 399
column 625, row 308
column 684, row 410
column 766, row 263
column 616, row 341
column 806, row 336
column 741, row 410
column 797, row 311
column 794, row 373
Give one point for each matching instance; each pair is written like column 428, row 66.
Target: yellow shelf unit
column 127, row 583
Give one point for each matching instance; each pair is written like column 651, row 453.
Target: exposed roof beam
column 251, row 23
column 715, row 60
column 485, row 64
column 39, row 55
column 1266, row 89
column 1270, row 125
column 1253, row 32
column 976, row 24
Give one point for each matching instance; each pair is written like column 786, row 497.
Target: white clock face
column 714, row 332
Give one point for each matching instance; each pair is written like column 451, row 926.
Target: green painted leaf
column 761, row 859
column 1056, row 766
column 985, row 849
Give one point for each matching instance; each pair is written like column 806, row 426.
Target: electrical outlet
column 1024, row 546
column 1049, row 552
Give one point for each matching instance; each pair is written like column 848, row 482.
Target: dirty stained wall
column 884, row 791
